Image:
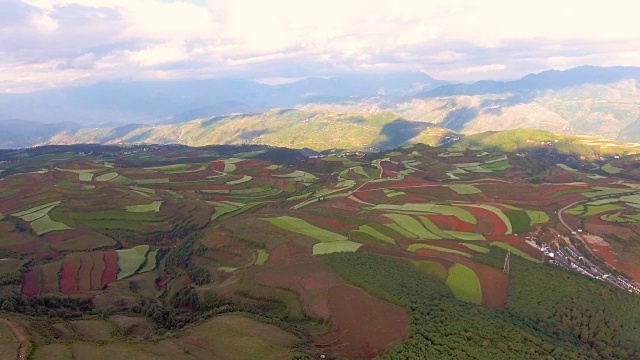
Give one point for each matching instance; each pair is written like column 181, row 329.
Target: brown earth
column 362, row 326
column 493, row 282
column 305, row 275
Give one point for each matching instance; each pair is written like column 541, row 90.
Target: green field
column 244, row 179
column 130, row 260
column 335, row 246
column 433, row 268
column 537, row 217
column 410, row 225
column 426, row 208
column 36, row 212
column 45, row 225
column 608, row 168
column 465, row 189
column 465, row 235
column 261, row 257
column 151, row 263
column 498, row 213
column 480, row 249
column 366, row 229
column 568, row 168
column 302, row 227
column 152, row 207
column 107, row 177
column 464, row 284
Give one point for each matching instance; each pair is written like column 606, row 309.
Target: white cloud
column 159, row 54
column 44, row 23
column 456, row 39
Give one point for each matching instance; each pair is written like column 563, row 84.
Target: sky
column 53, row 43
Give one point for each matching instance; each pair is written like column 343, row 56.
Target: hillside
column 228, row 252
column 603, row 102
column 317, row 130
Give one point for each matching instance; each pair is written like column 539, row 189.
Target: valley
column 255, row 251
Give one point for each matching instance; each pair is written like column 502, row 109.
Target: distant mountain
column 547, row 80
column 183, row 100
column 587, row 100
column 19, row 133
column 316, row 130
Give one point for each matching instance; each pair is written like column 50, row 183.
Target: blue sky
column 51, row 43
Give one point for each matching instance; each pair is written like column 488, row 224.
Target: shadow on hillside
column 400, row 131
column 458, row 118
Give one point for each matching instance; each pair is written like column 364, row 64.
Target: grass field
column 130, row 260
column 107, row 177
column 261, row 257
column 366, row 229
column 8, row 343
column 36, row 212
column 152, row 207
column 302, row 227
column 465, row 235
column 244, row 179
column 537, row 217
column 413, row 226
column 236, row 337
column 498, row 213
column 464, row 284
column 465, row 189
column 335, row 246
column 426, row 208
column 480, row 249
column 45, row 225
column 568, row 168
column 610, row 169
column 151, row 263
column 433, row 268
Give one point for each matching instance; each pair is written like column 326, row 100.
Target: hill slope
column 291, row 128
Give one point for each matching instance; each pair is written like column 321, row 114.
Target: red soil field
column 441, row 221
column 69, row 275
column 251, row 163
column 571, row 220
column 395, row 252
column 493, row 282
column 328, row 224
column 31, row 282
column 499, row 227
column 351, row 336
column 305, row 275
column 84, row 274
column 597, row 226
column 217, row 165
column 111, row 271
column 98, row 269
column 484, row 226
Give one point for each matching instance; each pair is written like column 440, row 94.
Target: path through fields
column 22, row 340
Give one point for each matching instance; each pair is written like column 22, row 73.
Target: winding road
column 22, row 340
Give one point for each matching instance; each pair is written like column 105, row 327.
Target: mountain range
column 596, row 101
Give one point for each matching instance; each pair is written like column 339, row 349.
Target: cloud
column 55, row 42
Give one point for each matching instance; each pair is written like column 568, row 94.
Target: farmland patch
column 464, row 284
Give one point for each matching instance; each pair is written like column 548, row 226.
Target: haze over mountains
column 586, row 100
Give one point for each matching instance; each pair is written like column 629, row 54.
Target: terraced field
column 155, row 245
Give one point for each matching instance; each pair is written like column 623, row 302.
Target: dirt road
column 22, row 340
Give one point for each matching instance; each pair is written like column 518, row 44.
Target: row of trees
column 442, row 327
